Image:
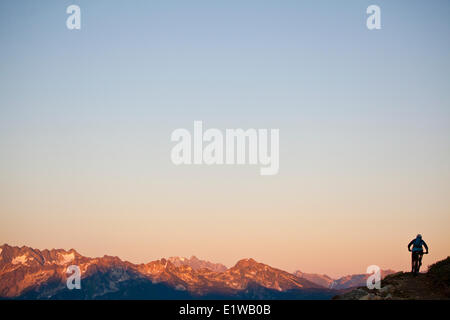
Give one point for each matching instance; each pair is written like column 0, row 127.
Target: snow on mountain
column 65, row 258
column 20, row 259
column 197, row 264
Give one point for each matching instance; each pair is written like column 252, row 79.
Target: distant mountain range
column 27, row 273
column 350, row 281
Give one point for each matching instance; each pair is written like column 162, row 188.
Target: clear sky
column 364, row 119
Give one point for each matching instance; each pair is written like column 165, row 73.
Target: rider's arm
column 425, row 245
column 410, row 244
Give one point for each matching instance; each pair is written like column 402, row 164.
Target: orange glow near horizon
column 222, row 221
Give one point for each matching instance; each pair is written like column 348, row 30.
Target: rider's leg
column 420, row 260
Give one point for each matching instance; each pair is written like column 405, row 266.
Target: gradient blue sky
column 364, row 119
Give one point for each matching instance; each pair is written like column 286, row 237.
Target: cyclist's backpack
column 418, row 244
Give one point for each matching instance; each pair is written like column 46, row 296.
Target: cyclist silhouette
column 417, row 253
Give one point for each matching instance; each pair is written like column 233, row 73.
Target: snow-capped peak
column 20, row 259
column 66, row 257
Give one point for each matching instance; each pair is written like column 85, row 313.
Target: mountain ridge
column 344, row 282
column 27, row 272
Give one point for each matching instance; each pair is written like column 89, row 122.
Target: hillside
column 434, row 284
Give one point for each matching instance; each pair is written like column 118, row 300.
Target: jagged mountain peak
column 16, row 257
column 246, row 262
column 197, row 264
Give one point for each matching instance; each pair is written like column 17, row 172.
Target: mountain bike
column 417, row 261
